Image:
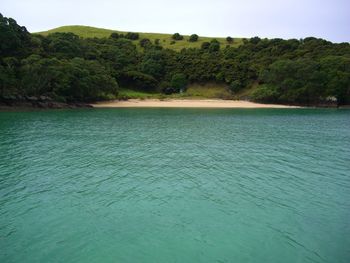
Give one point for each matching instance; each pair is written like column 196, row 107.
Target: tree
column 255, row 40
column 9, row 84
column 236, row 86
column 153, row 63
column 63, row 65
column 214, row 45
column 14, row 39
column 205, row 45
column 177, row 36
column 193, row 38
column 229, row 40
column 132, row 36
column 64, row 45
column 178, row 82
column 114, row 35
column 145, row 42
column 140, row 81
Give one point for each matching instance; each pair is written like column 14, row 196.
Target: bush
column 145, row 42
column 265, row 93
column 114, row 35
column 177, row 36
column 205, row 45
column 132, row 36
column 214, row 46
column 229, row 39
column 193, row 38
column 140, row 81
column 178, row 82
column 236, row 86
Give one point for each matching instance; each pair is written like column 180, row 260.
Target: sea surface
column 175, row 185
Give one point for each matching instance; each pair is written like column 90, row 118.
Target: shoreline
column 187, row 103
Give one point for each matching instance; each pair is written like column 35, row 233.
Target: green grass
column 246, row 93
column 194, row 91
column 164, row 39
column 207, row 91
column 135, row 94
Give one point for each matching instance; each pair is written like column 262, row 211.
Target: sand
column 185, row 103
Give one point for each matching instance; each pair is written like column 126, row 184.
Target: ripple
column 175, row 185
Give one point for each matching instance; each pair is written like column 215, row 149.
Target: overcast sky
column 329, row 19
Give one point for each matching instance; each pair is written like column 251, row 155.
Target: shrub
column 214, row 46
column 265, row 93
column 132, row 36
column 235, row 86
column 178, row 82
column 140, row 80
column 229, row 39
column 193, row 38
column 205, row 45
column 114, row 35
column 145, row 42
column 177, row 36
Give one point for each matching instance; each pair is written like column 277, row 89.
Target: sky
column 328, row 19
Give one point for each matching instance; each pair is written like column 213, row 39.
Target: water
column 175, row 185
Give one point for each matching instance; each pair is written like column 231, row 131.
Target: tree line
column 66, row 67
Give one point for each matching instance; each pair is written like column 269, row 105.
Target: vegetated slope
column 165, row 40
column 69, row 68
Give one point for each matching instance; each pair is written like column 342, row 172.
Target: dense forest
column 67, row 68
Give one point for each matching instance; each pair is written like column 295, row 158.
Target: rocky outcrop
column 42, row 102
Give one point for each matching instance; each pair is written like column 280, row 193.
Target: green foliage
column 165, row 39
column 65, row 45
column 9, row 77
column 229, row 40
column 66, row 66
column 76, row 79
column 265, row 93
column 177, row 36
column 193, row 38
column 178, row 82
column 236, row 86
column 145, row 42
column 140, row 81
column 205, row 45
column 132, row 36
column 153, row 63
column 114, row 35
column 214, row 46
column 14, row 39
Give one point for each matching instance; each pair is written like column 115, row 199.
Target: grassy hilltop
column 165, row 40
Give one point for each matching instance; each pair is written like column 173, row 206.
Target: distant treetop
column 177, row 36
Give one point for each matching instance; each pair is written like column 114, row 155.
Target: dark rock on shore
column 42, row 102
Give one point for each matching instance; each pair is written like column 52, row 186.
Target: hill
column 165, row 40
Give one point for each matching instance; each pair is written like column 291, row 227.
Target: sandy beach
column 176, row 103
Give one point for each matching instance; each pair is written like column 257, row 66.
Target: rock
column 43, row 105
column 45, row 98
column 57, row 105
column 83, row 105
column 20, row 98
column 32, row 98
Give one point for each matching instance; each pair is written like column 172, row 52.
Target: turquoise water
column 175, row 185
